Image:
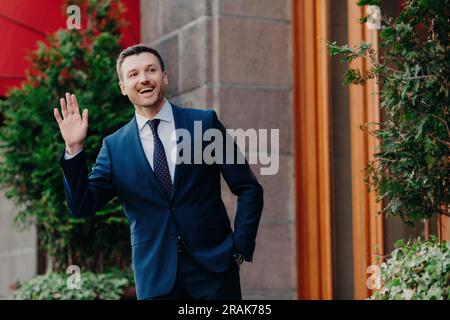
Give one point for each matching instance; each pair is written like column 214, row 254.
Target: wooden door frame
column 311, row 75
column 367, row 222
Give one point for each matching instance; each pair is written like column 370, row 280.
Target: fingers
column 57, row 116
column 69, row 106
column 85, row 116
column 64, row 112
column 75, row 107
column 69, row 103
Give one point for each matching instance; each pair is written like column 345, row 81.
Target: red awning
column 24, row 22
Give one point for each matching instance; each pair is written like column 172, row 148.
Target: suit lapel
column 179, row 116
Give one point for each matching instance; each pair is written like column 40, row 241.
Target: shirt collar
column 165, row 114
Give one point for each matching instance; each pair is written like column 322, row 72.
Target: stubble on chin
column 152, row 107
column 158, row 103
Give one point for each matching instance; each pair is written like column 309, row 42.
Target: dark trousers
column 195, row 282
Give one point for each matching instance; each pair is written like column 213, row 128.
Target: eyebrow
column 130, row 71
column 149, row 65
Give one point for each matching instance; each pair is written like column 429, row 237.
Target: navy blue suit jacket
column 195, row 208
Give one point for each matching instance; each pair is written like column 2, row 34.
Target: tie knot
column 153, row 125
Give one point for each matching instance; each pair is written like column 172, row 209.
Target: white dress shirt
column 166, row 133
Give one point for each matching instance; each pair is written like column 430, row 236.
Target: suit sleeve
column 87, row 193
column 242, row 183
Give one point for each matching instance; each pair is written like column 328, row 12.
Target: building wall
column 235, row 56
column 18, row 250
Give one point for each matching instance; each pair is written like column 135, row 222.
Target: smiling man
column 183, row 245
column 143, row 79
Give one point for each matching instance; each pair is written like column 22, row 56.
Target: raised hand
column 73, row 126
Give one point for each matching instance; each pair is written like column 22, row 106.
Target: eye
column 132, row 75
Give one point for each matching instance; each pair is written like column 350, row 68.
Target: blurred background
column 259, row 64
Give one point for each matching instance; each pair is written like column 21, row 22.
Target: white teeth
column 147, row 90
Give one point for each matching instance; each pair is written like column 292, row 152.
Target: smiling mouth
column 147, row 90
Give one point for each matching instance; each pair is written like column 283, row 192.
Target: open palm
column 72, row 125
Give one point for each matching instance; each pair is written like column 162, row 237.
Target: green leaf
column 368, row 2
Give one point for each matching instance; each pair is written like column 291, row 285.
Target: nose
column 144, row 77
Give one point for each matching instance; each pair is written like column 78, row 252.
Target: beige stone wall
column 235, row 56
column 18, row 250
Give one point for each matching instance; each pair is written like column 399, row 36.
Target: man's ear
column 122, row 88
column 165, row 79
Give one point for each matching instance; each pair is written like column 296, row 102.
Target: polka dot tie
column 160, row 166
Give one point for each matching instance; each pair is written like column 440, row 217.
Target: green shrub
column 411, row 170
column 54, row 286
column 417, row 270
column 81, row 62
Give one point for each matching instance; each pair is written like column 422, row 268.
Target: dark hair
column 135, row 50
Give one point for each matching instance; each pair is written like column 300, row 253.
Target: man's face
column 143, row 80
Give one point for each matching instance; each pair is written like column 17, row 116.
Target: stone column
column 18, row 251
column 235, row 56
